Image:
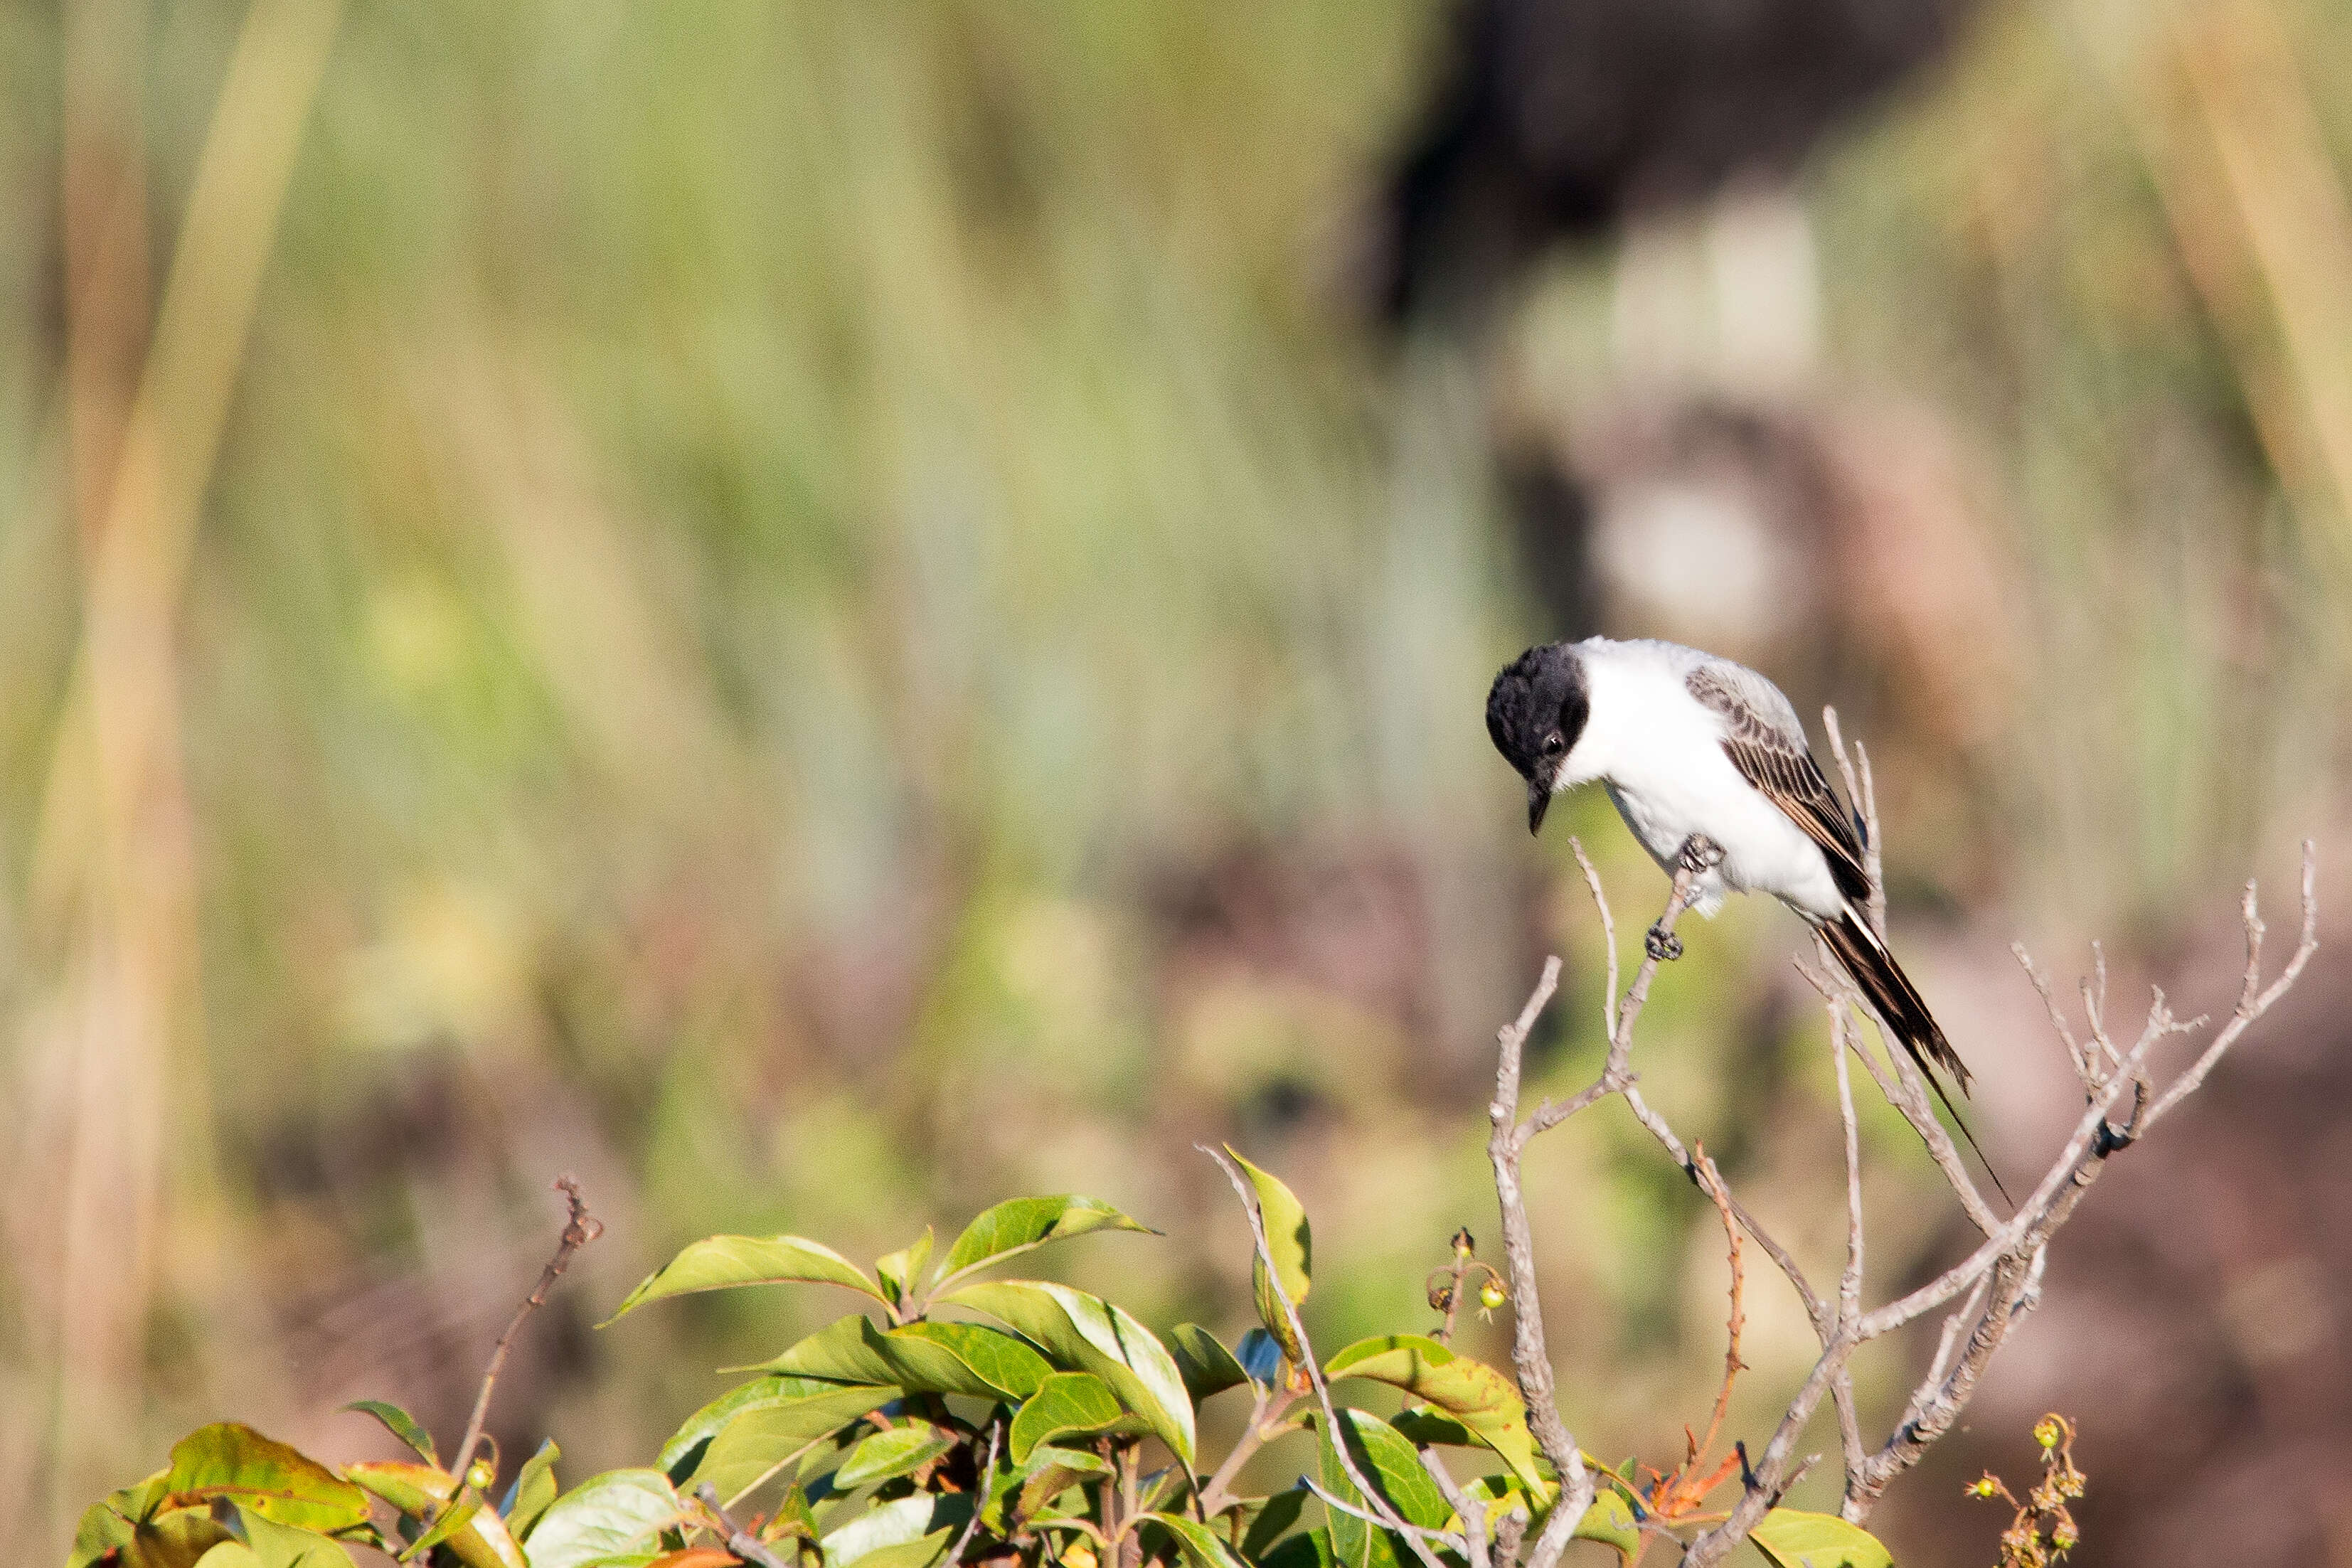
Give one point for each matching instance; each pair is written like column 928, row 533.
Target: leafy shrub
column 958, row 1416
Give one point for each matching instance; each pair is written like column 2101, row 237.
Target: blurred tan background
column 827, row 613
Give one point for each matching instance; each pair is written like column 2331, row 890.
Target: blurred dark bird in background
column 1556, row 121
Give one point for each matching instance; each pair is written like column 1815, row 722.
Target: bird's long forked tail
column 1905, row 1012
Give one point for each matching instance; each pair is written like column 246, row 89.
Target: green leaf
column 1392, row 1465
column 724, row 1263
column 447, row 1521
column 1024, row 1224
column 401, row 1425
column 1610, row 1520
column 920, row 1357
column 1067, row 1403
column 534, row 1487
column 284, row 1546
column 1308, row 1549
column 689, row 1446
column 1087, row 1333
column 921, row 1553
column 1271, row 1521
column 418, row 1492
column 1470, row 1392
column 229, row 1459
column 1292, row 1242
column 897, row 1271
column 1791, row 1539
column 1050, row 1471
column 122, row 1525
column 762, row 1434
column 606, row 1516
column 903, row 1523
column 900, row 1451
column 1202, row 1359
column 1201, row 1547
column 959, row 1358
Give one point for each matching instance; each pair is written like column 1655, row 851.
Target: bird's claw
column 1663, row 945
column 1701, row 855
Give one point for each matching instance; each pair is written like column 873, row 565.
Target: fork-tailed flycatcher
column 1700, row 753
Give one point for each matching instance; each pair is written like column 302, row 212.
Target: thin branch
column 1472, row 1509
column 1529, row 1357
column 1863, row 792
column 1904, row 1089
column 987, row 1487
column 1414, row 1533
column 1850, row 1278
column 580, row 1227
column 1332, row 1429
column 741, row 1542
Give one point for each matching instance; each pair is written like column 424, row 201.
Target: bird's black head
column 1534, row 710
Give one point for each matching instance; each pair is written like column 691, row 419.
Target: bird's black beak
column 1539, row 802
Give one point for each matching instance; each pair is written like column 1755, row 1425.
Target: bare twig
column 1473, row 1511
column 741, row 1542
column 987, row 1487
column 1387, row 1516
column 580, row 1227
column 2000, row 1280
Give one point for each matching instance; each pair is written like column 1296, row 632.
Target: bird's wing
column 1766, row 742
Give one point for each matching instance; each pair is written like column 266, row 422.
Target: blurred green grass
column 758, row 552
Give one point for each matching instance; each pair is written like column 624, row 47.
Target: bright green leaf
column 1791, row 1539
column 230, row 1554
column 1470, row 1392
column 607, row 1516
column 120, row 1525
column 1087, row 1333
column 1024, row 1224
column 1207, row 1367
column 762, row 1434
column 232, row 1460
column 1392, row 1465
column 1610, row 1520
column 900, row 1451
column 419, row 1490
column 724, row 1263
column 905, row 1523
column 684, row 1453
column 283, row 1546
column 1067, row 1403
column 921, row 1358
column 898, row 1270
column 1201, row 1546
column 401, row 1425
column 534, row 1487
column 1292, row 1242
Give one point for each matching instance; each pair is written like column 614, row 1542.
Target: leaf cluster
column 956, row 1417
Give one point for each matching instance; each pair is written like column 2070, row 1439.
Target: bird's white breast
column 1660, row 752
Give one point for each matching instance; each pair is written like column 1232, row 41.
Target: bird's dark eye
column 1554, row 745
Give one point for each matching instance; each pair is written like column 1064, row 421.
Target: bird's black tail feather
column 1905, row 1012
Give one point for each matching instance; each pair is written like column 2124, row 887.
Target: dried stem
column 580, row 1227
column 1383, row 1514
column 987, row 1487
column 750, row 1547
column 2000, row 1280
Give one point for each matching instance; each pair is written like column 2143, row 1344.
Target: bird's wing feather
column 1766, row 743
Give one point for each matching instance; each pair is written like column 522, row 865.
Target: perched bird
column 1707, row 763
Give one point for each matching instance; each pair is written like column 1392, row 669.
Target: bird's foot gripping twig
column 1663, row 945
column 1700, row 854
